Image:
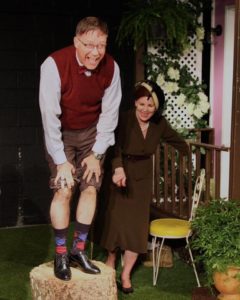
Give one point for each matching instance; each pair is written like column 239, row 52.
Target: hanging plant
column 174, row 25
column 175, row 19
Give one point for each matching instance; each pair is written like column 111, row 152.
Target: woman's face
column 145, row 108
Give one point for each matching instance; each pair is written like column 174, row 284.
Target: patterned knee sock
column 60, row 240
column 80, row 237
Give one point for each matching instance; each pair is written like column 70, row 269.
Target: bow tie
column 82, row 70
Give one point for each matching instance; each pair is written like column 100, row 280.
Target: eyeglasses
column 91, row 47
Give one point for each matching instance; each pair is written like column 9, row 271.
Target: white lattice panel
column 177, row 116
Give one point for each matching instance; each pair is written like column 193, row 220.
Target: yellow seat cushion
column 170, row 228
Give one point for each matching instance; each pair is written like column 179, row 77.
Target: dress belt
column 136, row 157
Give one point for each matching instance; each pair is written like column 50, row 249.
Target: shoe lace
column 63, row 259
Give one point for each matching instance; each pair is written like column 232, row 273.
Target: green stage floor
column 24, row 248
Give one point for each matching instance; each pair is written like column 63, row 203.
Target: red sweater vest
column 81, row 95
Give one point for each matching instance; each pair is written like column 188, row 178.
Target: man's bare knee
column 63, row 195
column 89, row 193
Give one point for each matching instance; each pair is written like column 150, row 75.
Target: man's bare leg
column 60, row 208
column 86, row 205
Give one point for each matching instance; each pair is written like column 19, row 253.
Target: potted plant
column 217, row 241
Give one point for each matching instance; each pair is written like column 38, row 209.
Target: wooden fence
column 175, row 175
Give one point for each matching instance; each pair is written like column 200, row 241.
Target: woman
column 127, row 219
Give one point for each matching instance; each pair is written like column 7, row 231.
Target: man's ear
column 76, row 42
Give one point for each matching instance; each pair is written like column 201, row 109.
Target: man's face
column 91, row 48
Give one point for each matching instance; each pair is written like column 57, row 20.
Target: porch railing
column 175, row 175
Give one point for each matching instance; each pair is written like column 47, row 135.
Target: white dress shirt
column 49, row 100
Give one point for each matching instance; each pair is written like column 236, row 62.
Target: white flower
column 160, row 80
column 198, row 112
column 170, row 87
column 181, row 99
column 173, row 74
column 202, row 97
column 204, row 106
column 200, row 33
column 190, row 108
column 199, row 45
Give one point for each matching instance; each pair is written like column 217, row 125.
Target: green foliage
column 184, row 84
column 175, row 23
column 217, row 235
column 175, row 19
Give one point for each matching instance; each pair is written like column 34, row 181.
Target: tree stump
column 82, row 286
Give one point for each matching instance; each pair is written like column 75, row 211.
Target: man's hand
column 119, row 177
column 64, row 174
column 92, row 167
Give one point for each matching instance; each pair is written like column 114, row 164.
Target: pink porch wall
column 218, row 44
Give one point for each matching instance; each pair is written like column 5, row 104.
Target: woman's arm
column 172, row 137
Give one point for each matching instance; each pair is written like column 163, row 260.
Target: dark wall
column 30, row 30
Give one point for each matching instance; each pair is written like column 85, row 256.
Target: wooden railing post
column 181, row 174
column 217, row 173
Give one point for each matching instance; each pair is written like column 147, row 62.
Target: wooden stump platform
column 82, row 286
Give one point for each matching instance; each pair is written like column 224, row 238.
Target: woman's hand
column 119, row 177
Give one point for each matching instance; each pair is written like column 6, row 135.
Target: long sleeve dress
column 126, row 223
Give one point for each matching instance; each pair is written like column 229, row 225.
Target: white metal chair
column 173, row 228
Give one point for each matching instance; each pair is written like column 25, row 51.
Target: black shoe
column 128, row 290
column 62, row 267
column 81, row 261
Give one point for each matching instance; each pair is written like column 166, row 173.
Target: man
column 80, row 93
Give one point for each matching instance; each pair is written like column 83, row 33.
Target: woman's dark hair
column 148, row 88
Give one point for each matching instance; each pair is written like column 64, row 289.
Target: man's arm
column 49, row 101
column 109, row 116
column 107, row 123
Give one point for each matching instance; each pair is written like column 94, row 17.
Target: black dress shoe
column 128, row 290
column 62, row 267
column 80, row 260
